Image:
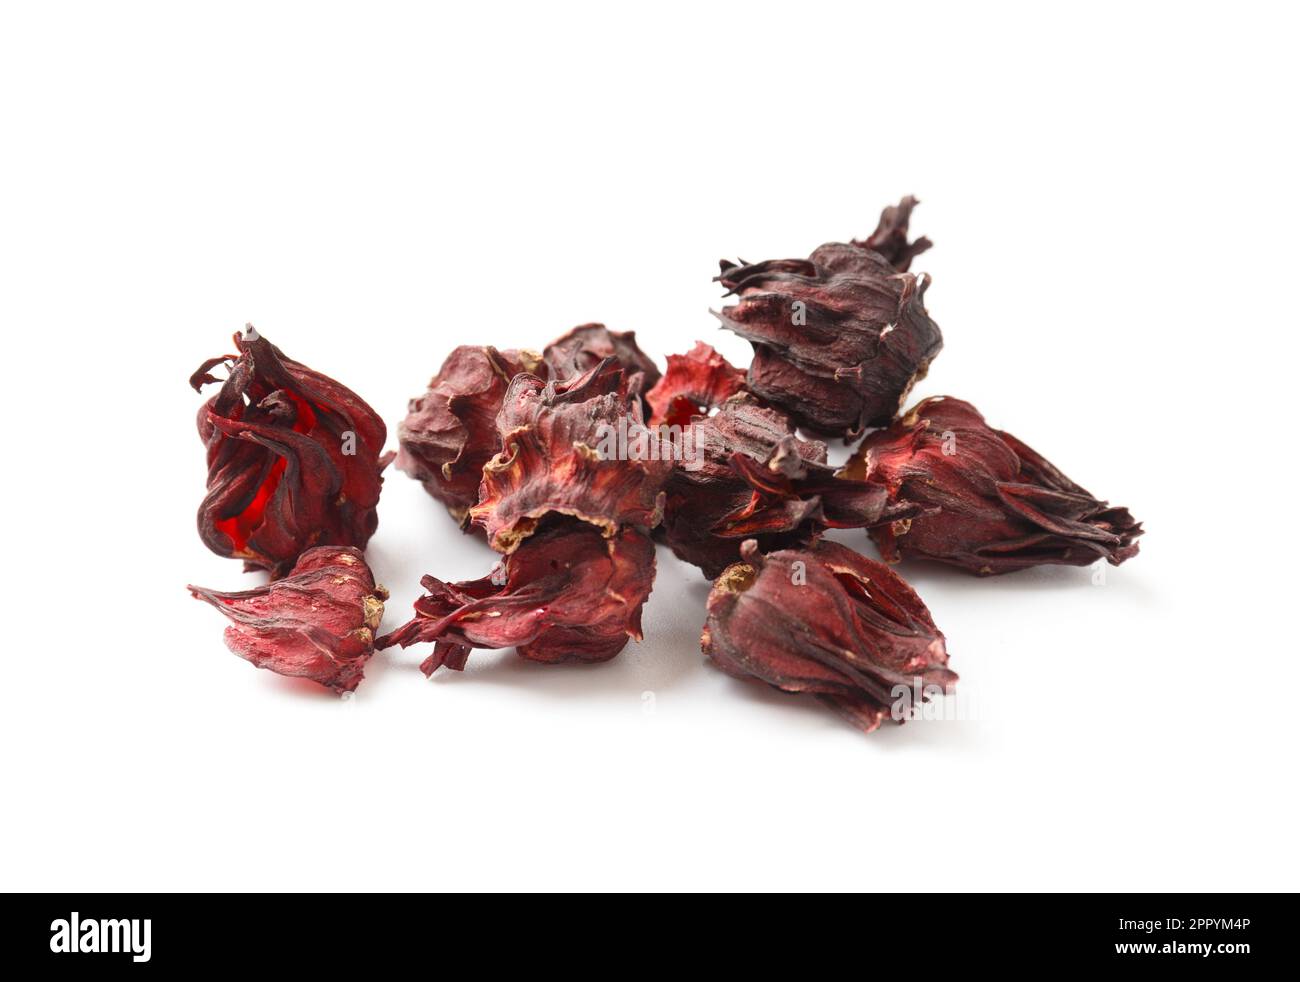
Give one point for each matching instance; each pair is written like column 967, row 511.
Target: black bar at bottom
column 135, row 933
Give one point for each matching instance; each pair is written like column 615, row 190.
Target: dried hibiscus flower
column 316, row 623
column 989, row 503
column 704, row 489
column 748, row 476
column 839, row 338
column 890, row 237
column 566, row 594
column 586, row 346
column 577, row 447
column 450, row 432
column 695, row 383
column 829, row 622
column 293, row 459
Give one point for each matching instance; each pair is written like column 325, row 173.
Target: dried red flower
column 450, row 432
column 695, row 383
column 750, row 477
column 990, row 504
column 586, row 346
column 705, row 489
column 890, row 237
column 316, row 623
column 839, row 338
column 563, row 454
column 825, row 621
column 566, row 594
column 293, row 459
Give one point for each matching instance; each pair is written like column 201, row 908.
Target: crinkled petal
column 695, row 383
column 318, row 622
column 570, row 448
column 450, row 432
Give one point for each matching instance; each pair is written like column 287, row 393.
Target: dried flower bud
column 750, row 477
column 316, row 623
column 826, row 621
column 890, row 237
column 695, row 383
column 293, row 459
column 990, row 504
column 585, row 347
column 839, row 338
column 566, row 594
column 566, row 451
column 450, row 432
column 707, row 488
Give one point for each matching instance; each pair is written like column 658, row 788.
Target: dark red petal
column 695, row 383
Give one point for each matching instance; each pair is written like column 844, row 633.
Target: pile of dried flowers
column 573, row 462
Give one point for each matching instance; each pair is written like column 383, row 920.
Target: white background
column 1112, row 195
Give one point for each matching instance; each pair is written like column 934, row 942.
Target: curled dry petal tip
column 566, row 594
column 293, row 459
column 828, row 622
column 987, row 502
column 203, row 376
column 318, row 622
column 890, row 237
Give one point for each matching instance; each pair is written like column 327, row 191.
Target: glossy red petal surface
column 294, row 459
